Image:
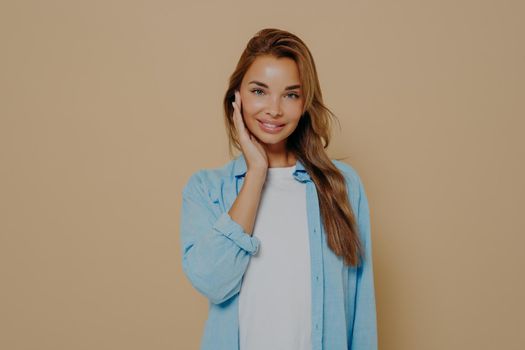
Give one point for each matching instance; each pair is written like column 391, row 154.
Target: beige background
column 108, row 106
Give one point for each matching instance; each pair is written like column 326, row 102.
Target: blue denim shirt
column 216, row 251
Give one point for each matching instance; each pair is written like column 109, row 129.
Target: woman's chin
column 270, row 140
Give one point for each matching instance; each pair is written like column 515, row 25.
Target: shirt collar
column 300, row 173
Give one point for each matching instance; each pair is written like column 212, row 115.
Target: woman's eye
column 261, row 92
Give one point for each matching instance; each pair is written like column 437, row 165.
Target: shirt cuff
column 234, row 231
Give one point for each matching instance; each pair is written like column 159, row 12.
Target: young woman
column 278, row 239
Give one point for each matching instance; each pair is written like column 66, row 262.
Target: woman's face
column 271, row 93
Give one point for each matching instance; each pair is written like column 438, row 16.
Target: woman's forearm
column 244, row 208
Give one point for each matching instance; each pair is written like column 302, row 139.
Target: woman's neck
column 281, row 159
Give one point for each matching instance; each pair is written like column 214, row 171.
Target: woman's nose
column 274, row 107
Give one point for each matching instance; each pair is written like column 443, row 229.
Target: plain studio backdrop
column 107, row 107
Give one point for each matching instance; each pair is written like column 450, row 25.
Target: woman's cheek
column 250, row 107
column 247, row 112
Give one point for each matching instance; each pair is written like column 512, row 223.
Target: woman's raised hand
column 254, row 153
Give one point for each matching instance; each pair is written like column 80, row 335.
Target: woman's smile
column 271, row 128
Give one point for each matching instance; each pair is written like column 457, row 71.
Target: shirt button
column 317, row 278
column 316, row 326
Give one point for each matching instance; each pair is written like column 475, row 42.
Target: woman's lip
column 270, row 130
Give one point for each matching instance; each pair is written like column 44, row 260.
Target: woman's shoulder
column 212, row 177
column 348, row 170
column 353, row 180
column 209, row 177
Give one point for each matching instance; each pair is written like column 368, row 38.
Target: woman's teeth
column 271, row 125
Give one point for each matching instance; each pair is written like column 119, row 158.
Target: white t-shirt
column 275, row 296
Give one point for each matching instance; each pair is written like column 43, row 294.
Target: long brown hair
column 306, row 142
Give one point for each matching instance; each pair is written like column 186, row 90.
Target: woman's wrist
column 256, row 175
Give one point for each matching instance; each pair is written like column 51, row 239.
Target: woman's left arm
column 364, row 333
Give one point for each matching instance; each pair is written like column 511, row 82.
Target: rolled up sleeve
column 234, row 231
column 215, row 249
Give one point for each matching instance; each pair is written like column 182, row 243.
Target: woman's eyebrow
column 291, row 87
